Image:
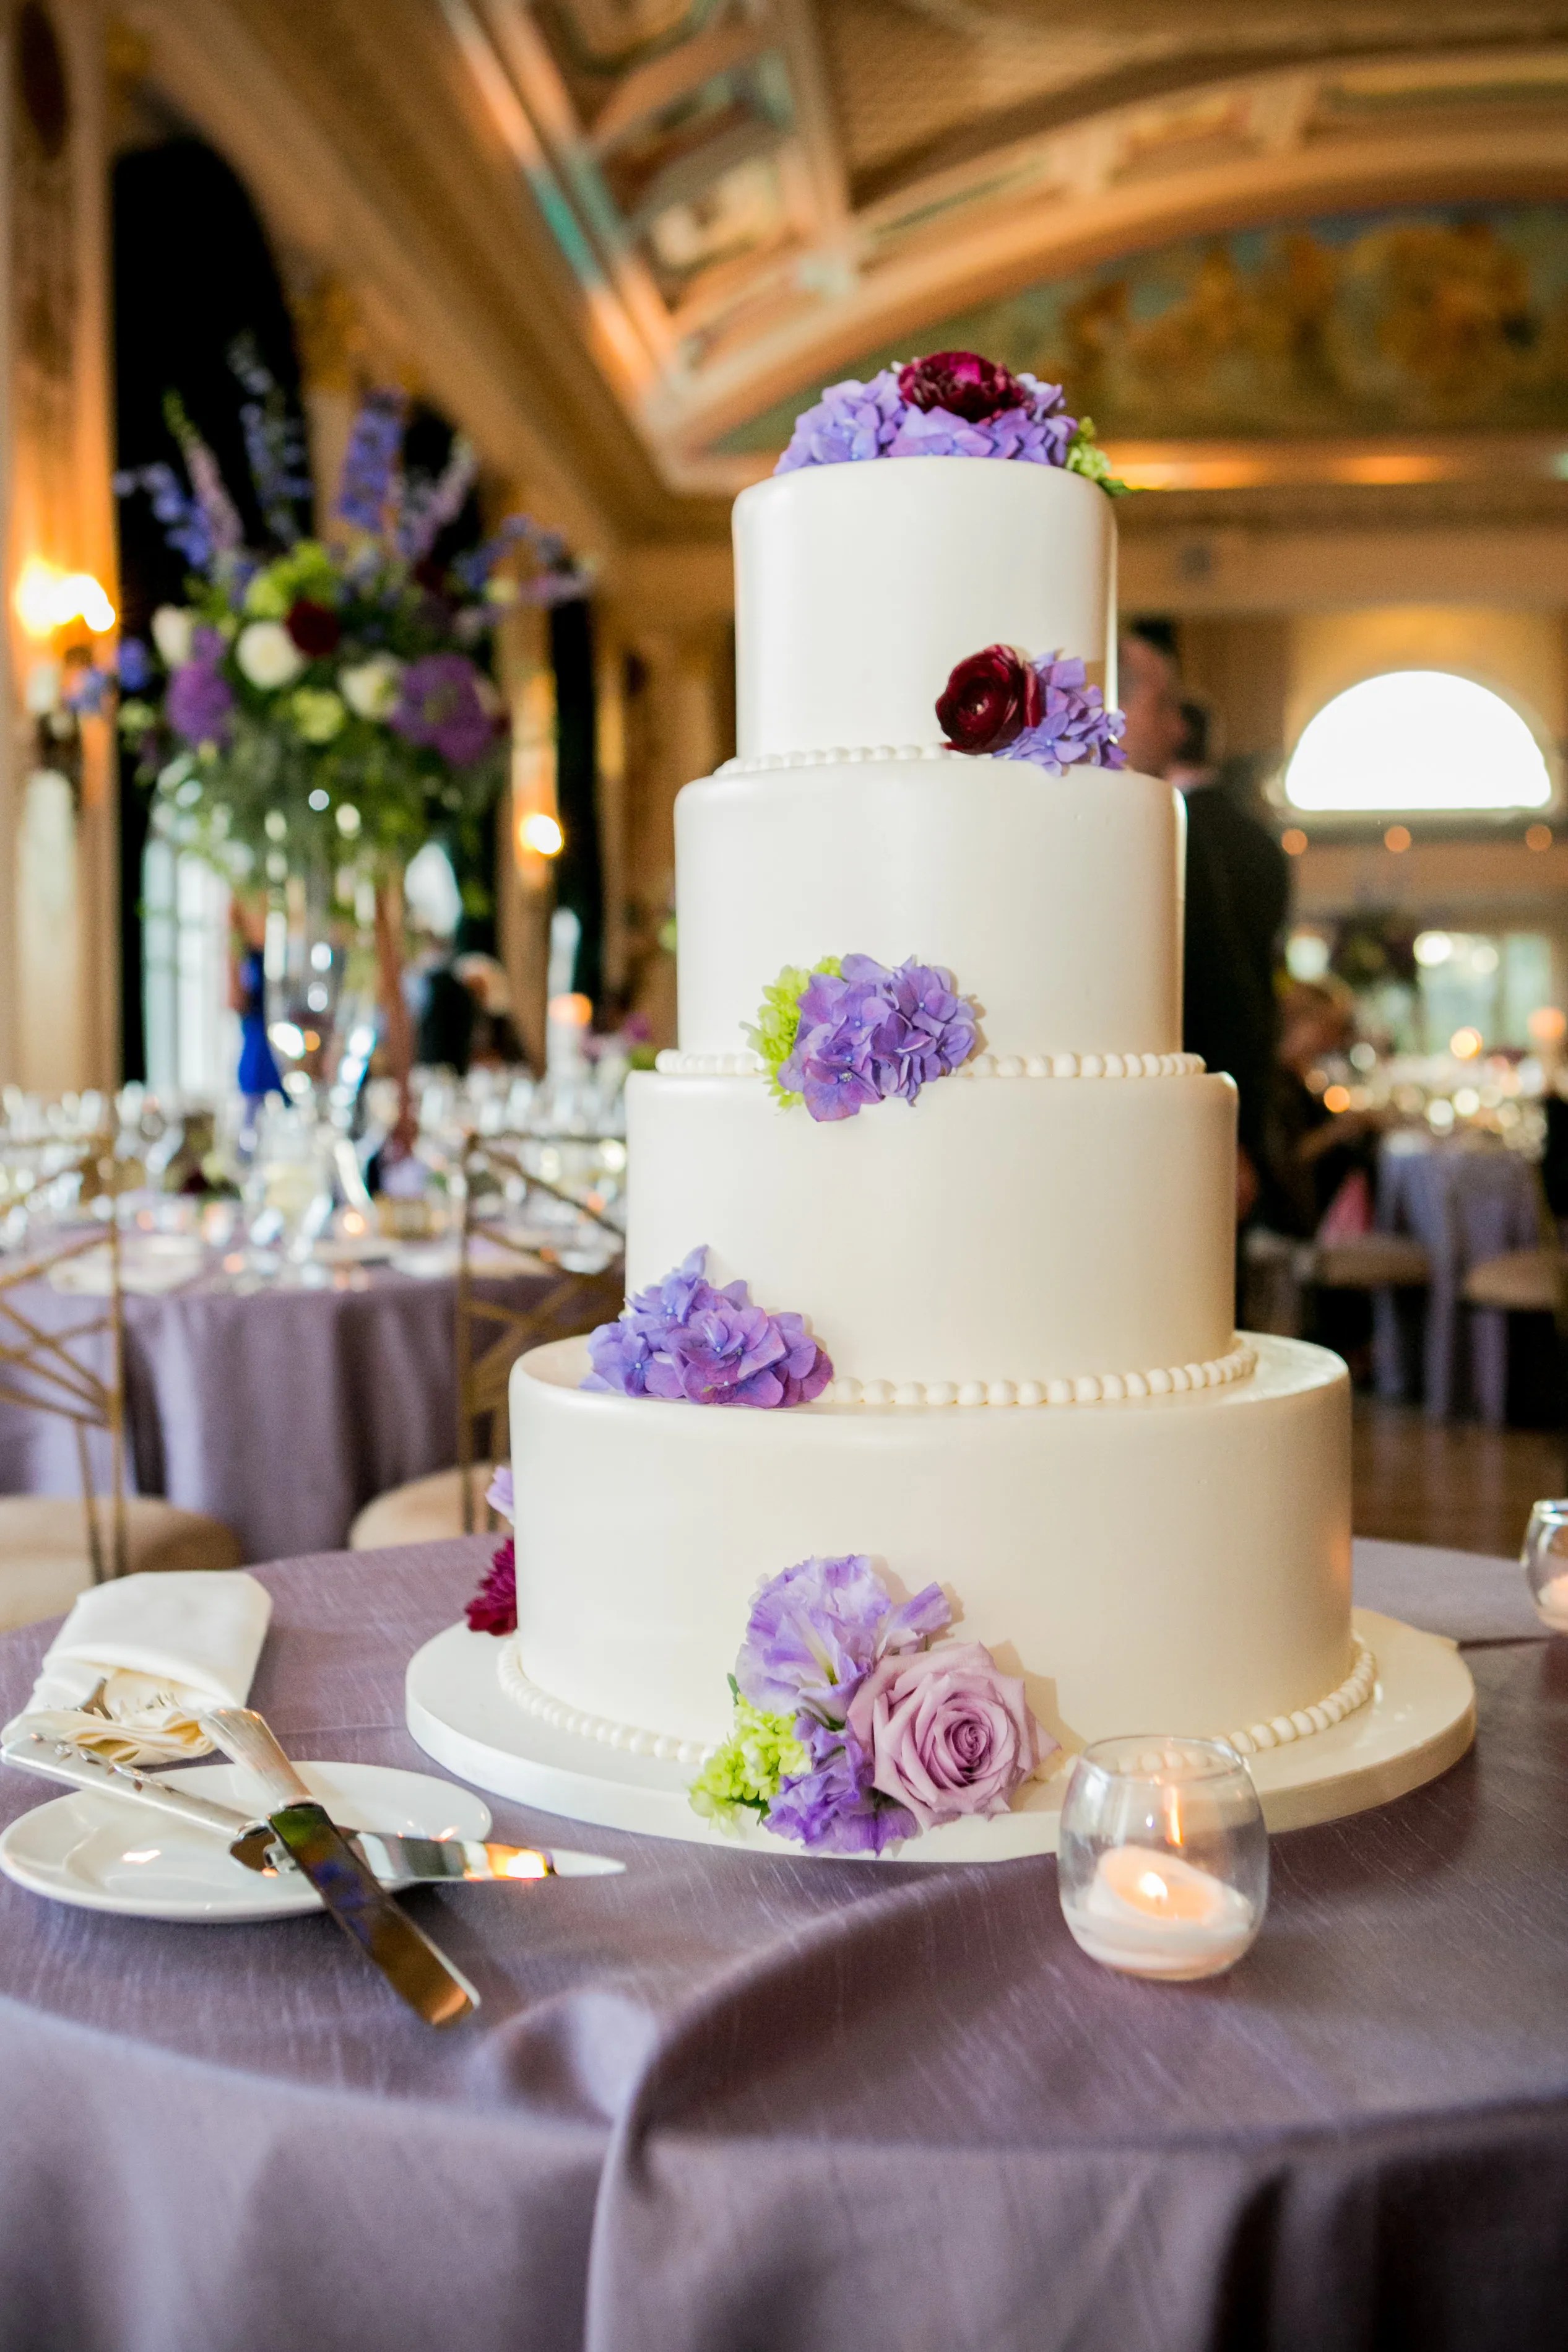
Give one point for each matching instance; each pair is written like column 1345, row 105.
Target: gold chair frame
column 482, row 1380
column 39, row 1374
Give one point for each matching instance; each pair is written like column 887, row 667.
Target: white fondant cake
column 1056, row 1231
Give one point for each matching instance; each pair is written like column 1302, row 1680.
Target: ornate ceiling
column 621, row 240
column 755, row 193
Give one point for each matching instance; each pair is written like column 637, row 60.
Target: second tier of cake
column 1016, row 1235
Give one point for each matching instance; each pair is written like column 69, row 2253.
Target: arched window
column 1417, row 738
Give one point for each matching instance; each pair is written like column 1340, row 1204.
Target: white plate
column 108, row 1854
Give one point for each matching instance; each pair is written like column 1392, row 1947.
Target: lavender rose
column 947, row 1731
column 989, row 700
column 963, row 384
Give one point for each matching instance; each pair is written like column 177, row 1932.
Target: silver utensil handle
column 243, row 1735
column 60, row 1760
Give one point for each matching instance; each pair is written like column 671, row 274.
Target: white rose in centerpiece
column 172, row 627
column 370, row 688
column 268, row 654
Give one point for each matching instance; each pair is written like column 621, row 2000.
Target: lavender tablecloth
column 1463, row 1205
column 284, row 1411
column 729, row 2101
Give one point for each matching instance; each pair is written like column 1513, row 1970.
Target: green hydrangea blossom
column 773, row 1036
column 745, row 1773
column 1085, row 456
column 307, row 570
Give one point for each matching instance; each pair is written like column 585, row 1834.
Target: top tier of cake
column 858, row 587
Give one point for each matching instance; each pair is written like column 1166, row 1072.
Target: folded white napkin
column 165, row 1646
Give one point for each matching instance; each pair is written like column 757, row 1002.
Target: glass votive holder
column 1544, row 1560
column 1163, row 1859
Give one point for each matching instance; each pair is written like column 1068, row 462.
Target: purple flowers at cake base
column 874, row 1730
column 683, row 1339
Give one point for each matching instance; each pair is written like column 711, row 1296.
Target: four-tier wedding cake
column 966, row 1315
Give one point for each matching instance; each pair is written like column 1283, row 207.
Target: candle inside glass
column 1552, row 1601
column 1152, row 1913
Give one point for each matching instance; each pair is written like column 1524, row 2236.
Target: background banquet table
column 727, row 2101
column 1463, row 1203
column 282, row 1409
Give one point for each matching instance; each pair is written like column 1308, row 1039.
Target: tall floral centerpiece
column 318, row 702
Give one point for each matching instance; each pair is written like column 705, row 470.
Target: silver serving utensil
column 418, row 1972
column 395, row 1860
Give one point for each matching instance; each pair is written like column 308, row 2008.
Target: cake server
column 397, row 1861
column 417, row 1971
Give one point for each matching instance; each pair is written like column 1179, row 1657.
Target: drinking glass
column 1544, row 1560
column 1163, row 1858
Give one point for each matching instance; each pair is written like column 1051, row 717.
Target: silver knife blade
column 417, row 1970
column 406, row 1861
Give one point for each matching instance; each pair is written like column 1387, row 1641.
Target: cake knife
column 416, row 1969
column 396, row 1861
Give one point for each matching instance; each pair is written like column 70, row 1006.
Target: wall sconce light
column 540, row 832
column 47, row 599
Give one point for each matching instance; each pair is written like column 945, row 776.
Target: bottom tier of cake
column 1177, row 1563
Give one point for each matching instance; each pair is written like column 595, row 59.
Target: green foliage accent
column 307, row 570
column 772, row 1037
column 743, row 1776
column 1085, row 456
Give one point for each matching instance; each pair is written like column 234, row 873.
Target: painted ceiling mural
column 1417, row 321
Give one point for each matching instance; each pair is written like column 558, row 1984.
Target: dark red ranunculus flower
column 989, row 700
column 963, row 384
column 493, row 1608
column 430, row 574
column 315, row 628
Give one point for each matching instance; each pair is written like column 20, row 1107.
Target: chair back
column 483, row 1370
column 62, row 1374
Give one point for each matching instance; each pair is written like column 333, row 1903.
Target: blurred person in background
column 1238, row 891
column 1312, row 1151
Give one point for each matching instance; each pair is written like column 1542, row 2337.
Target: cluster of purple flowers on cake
column 1000, row 702
column 854, row 1727
column 683, row 1339
column 951, row 405
column 856, row 1031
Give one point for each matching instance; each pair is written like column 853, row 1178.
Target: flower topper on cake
column 681, row 1338
column 853, row 1727
column 1001, row 703
column 952, row 404
column 852, row 1032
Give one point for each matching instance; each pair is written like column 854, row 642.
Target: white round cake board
column 1420, row 1719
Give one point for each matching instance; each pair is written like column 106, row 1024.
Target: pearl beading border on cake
column 1353, row 1691
column 630, row 1739
column 1089, row 1388
column 673, row 1064
column 852, row 755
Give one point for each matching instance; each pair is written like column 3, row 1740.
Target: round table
column 283, row 1409
column 727, row 2101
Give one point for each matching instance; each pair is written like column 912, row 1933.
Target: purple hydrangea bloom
column 683, row 1339
column 868, row 1032
column 816, row 1631
column 199, row 702
column 439, row 706
column 854, row 421
column 851, row 421
column 833, row 1808
column 1076, row 726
